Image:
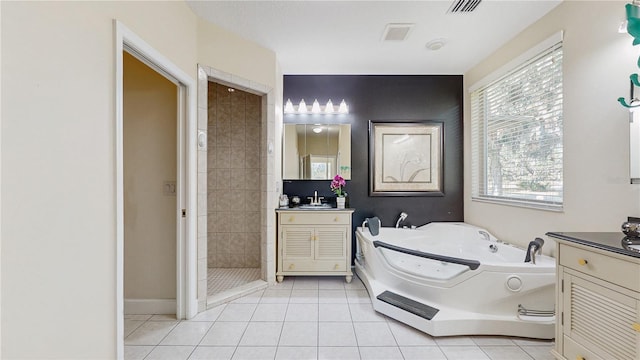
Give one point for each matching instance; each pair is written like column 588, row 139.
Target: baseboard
column 149, row 306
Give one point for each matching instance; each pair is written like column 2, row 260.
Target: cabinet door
column 600, row 318
column 331, row 242
column 297, row 242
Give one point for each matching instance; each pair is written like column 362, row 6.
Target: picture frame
column 406, row 158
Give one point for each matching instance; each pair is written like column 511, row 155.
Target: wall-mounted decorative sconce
column 633, row 28
column 315, row 108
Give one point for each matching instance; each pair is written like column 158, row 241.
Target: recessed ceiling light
column 436, row 44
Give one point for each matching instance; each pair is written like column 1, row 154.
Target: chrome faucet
column 315, row 200
column 403, row 216
column 485, row 235
column 534, row 247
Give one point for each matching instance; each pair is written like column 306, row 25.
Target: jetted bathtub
column 457, row 279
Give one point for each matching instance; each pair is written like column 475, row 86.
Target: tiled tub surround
column 233, row 178
column 309, row 318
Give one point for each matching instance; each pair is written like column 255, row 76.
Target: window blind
column 516, row 135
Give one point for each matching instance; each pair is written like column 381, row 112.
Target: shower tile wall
column 233, row 181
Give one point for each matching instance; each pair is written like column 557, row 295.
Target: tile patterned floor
column 308, row 318
column 222, row 279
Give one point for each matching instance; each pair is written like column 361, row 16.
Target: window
column 516, row 135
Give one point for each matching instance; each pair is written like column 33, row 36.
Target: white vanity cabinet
column 598, row 303
column 314, row 242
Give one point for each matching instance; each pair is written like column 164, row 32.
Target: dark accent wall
column 387, row 98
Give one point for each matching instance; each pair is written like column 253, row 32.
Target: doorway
column 150, row 109
column 185, row 213
column 234, row 169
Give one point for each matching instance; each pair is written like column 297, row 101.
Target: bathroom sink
column 315, row 207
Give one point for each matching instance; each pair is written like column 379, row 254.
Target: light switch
column 169, row 188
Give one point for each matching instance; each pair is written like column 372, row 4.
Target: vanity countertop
column 312, row 209
column 615, row 242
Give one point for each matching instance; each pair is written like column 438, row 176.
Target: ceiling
column 345, row 37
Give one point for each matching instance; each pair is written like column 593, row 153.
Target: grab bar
column 530, row 312
column 472, row 264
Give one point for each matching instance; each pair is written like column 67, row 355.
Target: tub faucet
column 534, row 247
column 403, row 216
column 485, row 235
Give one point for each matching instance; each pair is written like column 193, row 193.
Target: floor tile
column 297, row 353
column 237, row 312
column 355, row 284
column 269, row 312
column 338, row 353
column 213, row 353
column 287, row 283
column 255, row 353
column 299, row 334
column 464, row 352
column 358, row 296
column 331, row 296
column 187, row 333
column 276, row 296
column 261, row 334
column 405, row 335
column 306, row 283
column 170, row 353
column 304, row 296
column 136, row 352
column 131, row 325
column 380, row 353
column 252, row 298
column 539, row 352
column 332, row 283
column 224, row 334
column 373, row 334
column 492, row 340
column 334, row 312
column 302, row 312
column 454, row 341
column 210, row 315
column 150, row 333
column 336, row 334
column 422, row 353
column 364, row 312
column 505, row 353
column 138, row 317
column 164, row 317
column 532, row 342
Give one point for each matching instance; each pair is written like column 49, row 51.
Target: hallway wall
column 58, row 235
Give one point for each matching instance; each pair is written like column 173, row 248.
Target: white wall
column 58, row 159
column 150, row 158
column 596, row 68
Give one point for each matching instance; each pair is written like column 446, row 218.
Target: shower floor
column 222, row 279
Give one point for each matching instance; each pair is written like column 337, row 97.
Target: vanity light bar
column 315, row 108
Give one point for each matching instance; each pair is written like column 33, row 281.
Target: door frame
column 186, row 182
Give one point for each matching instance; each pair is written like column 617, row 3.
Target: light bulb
column 302, row 107
column 315, row 108
column 343, row 109
column 329, row 108
column 288, row 107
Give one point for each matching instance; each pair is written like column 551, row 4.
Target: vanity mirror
column 316, row 151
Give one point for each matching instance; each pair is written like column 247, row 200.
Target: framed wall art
column 405, row 158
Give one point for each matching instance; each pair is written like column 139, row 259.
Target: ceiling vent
column 463, row 6
column 396, row 32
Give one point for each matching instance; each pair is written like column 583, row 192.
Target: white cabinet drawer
column 314, row 265
column 573, row 350
column 327, row 217
column 614, row 270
